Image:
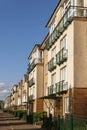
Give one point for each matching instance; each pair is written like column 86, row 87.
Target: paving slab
column 9, row 122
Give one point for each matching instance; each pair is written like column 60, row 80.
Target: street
column 9, row 122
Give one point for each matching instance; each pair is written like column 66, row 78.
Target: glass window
column 52, row 26
column 53, row 79
column 66, row 104
column 53, row 54
column 64, row 74
column 63, row 43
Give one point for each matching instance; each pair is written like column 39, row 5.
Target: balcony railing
column 31, row 98
column 31, row 82
column 34, row 63
column 61, row 56
column 72, row 11
column 59, row 88
column 52, row 64
column 51, row 90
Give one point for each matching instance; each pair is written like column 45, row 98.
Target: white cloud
column 2, row 84
column 4, row 91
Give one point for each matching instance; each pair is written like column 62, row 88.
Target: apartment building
column 25, row 92
column 7, row 102
column 66, row 85
column 35, row 72
column 14, row 97
column 19, row 92
column 57, row 70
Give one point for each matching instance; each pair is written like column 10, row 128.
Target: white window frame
column 53, row 54
column 66, row 101
column 63, row 73
column 53, row 81
column 63, row 43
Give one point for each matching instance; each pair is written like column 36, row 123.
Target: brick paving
column 9, row 122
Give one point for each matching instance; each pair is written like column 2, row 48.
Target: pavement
column 9, row 122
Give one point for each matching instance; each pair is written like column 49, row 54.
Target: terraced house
column 66, row 87
column 35, row 71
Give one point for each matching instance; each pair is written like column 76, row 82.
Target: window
column 52, row 26
column 53, row 54
column 66, row 104
column 63, row 74
column 19, row 100
column 63, row 43
column 34, row 75
column 53, row 80
column 30, row 91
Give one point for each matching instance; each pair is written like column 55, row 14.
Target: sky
column 22, row 25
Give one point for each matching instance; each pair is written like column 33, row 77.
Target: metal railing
column 62, row 123
column 30, row 98
column 52, row 64
column 61, row 56
column 31, row 82
column 72, row 12
column 58, row 88
column 34, row 63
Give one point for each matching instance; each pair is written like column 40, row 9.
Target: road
column 9, row 122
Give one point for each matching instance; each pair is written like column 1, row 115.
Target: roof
column 38, row 45
column 53, row 13
column 43, row 43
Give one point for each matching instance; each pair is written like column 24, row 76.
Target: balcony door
column 53, row 80
column 63, row 47
column 63, row 43
column 24, row 96
column 63, row 73
column 53, row 54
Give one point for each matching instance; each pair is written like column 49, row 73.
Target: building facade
column 57, row 70
column 35, row 71
column 67, row 62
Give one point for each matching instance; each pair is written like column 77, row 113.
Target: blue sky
column 22, row 25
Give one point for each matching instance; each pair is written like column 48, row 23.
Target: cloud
column 2, row 84
column 4, row 91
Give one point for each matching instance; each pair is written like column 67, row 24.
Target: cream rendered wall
column 85, row 3
column 80, row 34
column 70, row 61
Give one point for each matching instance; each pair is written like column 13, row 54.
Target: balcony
column 31, row 98
column 34, row 63
column 72, row 12
column 31, row 82
column 59, row 88
column 52, row 64
column 61, row 56
column 51, row 90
